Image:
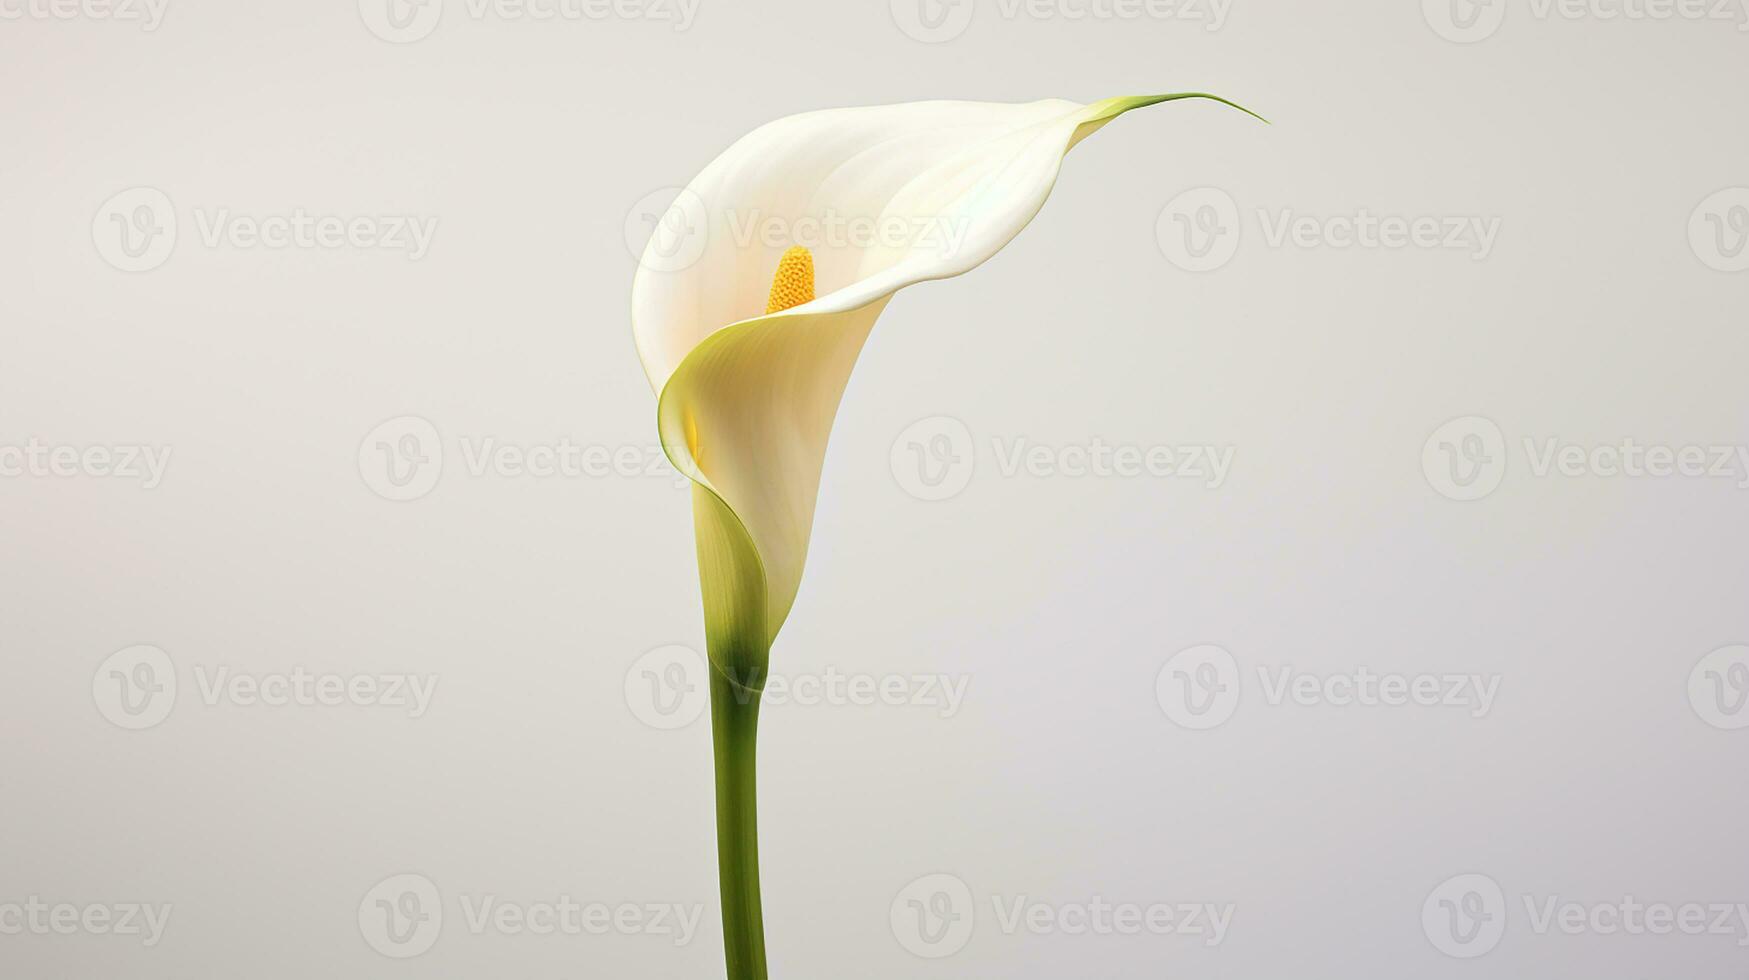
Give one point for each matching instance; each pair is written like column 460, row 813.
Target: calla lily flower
column 750, row 340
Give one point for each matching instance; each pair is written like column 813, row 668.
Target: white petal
column 747, row 400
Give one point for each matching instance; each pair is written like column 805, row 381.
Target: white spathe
column 894, row 195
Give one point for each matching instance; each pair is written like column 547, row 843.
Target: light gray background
column 1591, row 598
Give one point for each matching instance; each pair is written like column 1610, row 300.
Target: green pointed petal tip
column 1118, row 106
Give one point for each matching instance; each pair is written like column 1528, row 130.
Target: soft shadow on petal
column 747, row 416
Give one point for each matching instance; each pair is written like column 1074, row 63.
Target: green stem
column 735, row 729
